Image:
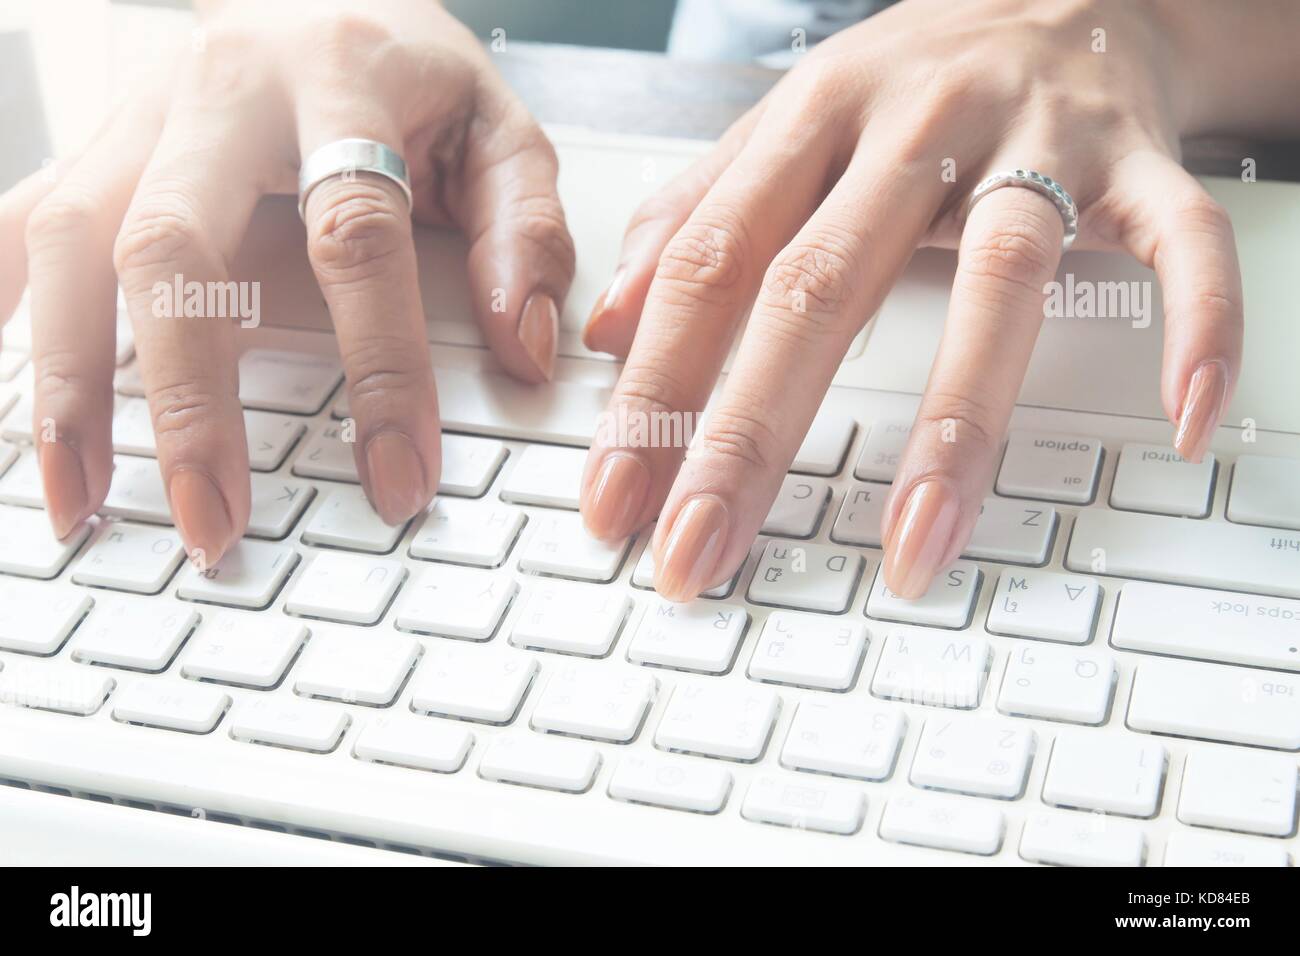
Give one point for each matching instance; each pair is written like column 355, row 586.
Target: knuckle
column 739, row 437
column 539, row 222
column 812, row 280
column 61, row 372
column 966, row 417
column 61, row 217
column 651, row 387
column 183, row 409
column 706, row 259
column 1019, row 253
column 1202, row 214
column 338, row 38
column 154, row 237
column 355, row 230
column 385, row 366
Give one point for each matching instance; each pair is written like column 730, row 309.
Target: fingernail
column 919, row 539
column 64, row 480
column 539, row 329
column 692, row 549
column 397, row 484
column 617, row 496
column 604, row 306
column 1202, row 407
column 202, row 516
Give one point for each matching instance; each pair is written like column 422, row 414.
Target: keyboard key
column 847, row 738
column 345, row 519
column 1114, row 775
column 277, row 505
column 1265, row 491
column 985, row 758
column 136, row 492
column 668, row 782
column 948, row 602
column 588, row 703
column 455, row 602
column 945, row 823
column 797, row 510
column 1208, row 625
column 1189, row 848
column 924, row 667
column 355, row 666
column 1210, row 554
column 804, row 804
column 328, row 454
column 469, row 464
column 48, row 685
column 249, row 575
column 132, row 632
column 545, row 475
column 882, row 451
column 1232, row 789
column 808, row 650
column 1050, row 466
column 1056, row 683
column 860, row 516
column 717, row 720
column 1045, row 605
column 248, row 650
column 282, row 381
column 30, row 549
column 571, row 618
column 170, row 705
column 416, row 742
column 11, row 362
column 564, row 765
column 1156, row 479
column 1012, row 532
column 133, row 429
column 21, row 484
column 559, row 545
column 467, row 532
column 825, row 445
column 810, row 577
column 270, row 439
column 485, row 684
column 691, row 637
column 37, row 618
column 1074, row 839
column 1214, row 702
column 345, row 587
column 283, row 722
column 130, row 557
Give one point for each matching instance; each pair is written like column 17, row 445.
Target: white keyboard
column 1109, row 675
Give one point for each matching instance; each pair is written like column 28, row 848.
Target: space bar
column 1183, row 551
column 488, row 403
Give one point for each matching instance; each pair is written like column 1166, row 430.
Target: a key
column 692, row 637
column 485, row 684
column 545, row 475
column 270, row 439
column 926, row 667
column 249, row 575
column 847, row 738
column 670, row 782
column 719, row 720
column 30, row 549
column 467, row 532
column 1057, row 683
column 1208, row 625
column 170, row 705
column 882, row 451
column 559, row 545
column 355, row 666
column 136, row 492
column 1116, row 775
column 548, row 763
column 455, row 602
column 1079, row 839
column 421, row 743
column 277, row 504
column 283, row 381
column 1232, row 789
column 328, row 454
column 985, row 758
column 1215, row 702
column 570, row 618
column 1045, row 605
column 825, row 445
column 643, row 575
column 284, row 722
column 132, row 632
column 1265, row 491
column 587, row 703
column 1050, row 466
column 37, row 618
column 347, row 588
column 248, row 650
column 809, row 650
column 804, row 804
column 49, row 685
column 948, row 602
column 469, row 464
column 1012, row 532
column 1190, row 848
column 1156, row 479
column 810, row 577
column 860, row 516
column 1206, row 553
column 130, row 557
column 345, row 519
column 21, row 484
column 945, row 823
column 797, row 510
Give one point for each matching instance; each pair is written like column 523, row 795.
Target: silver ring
column 1040, row 184
column 347, row 157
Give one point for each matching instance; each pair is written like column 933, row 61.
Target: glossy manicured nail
column 691, row 550
column 617, row 496
column 65, row 486
column 202, row 516
column 919, row 539
column 605, row 306
column 397, row 483
column 1202, row 407
column 539, row 329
